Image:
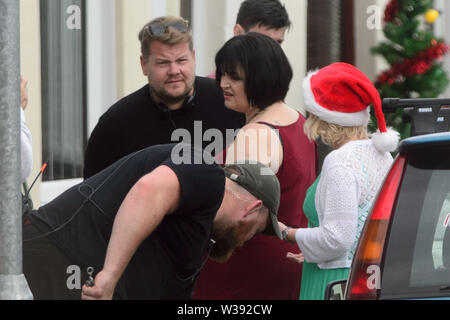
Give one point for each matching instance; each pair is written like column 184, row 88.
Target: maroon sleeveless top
column 259, row 269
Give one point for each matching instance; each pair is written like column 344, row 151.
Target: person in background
column 26, row 151
column 338, row 99
column 174, row 98
column 268, row 17
column 273, row 135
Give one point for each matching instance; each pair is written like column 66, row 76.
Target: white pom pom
column 386, row 141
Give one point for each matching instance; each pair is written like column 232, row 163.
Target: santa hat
column 341, row 94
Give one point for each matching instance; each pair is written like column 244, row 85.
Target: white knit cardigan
column 349, row 181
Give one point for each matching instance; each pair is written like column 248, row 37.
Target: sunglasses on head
column 159, row 28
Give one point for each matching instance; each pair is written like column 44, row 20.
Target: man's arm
column 146, row 204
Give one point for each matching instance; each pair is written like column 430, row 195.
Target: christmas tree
column 413, row 53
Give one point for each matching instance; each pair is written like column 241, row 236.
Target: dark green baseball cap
column 262, row 183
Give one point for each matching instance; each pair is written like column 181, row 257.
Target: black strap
column 277, row 131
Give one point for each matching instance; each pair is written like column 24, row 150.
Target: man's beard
column 225, row 237
column 167, row 98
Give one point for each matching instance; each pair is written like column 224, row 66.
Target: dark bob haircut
column 266, row 68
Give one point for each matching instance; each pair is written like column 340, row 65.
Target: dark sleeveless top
column 259, row 269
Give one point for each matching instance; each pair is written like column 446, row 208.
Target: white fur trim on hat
column 354, row 119
column 386, row 141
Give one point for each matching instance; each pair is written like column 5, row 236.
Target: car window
column 427, row 262
column 417, row 257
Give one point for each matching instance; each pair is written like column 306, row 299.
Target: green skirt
column 315, row 280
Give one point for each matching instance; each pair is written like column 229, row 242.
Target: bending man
column 147, row 224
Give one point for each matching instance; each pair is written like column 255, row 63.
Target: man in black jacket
column 174, row 98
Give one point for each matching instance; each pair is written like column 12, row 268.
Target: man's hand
column 103, row 288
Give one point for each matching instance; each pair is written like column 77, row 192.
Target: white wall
column 295, row 49
column 130, row 18
column 212, row 26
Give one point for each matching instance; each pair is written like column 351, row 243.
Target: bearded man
column 147, row 224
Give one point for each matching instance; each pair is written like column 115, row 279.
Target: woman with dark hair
column 254, row 75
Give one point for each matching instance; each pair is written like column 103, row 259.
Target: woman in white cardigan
column 338, row 99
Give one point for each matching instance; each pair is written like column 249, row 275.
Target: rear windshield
column 417, row 259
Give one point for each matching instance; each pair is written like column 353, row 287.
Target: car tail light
column 365, row 277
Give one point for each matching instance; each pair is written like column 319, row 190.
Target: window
column 427, row 261
column 330, row 32
column 63, row 88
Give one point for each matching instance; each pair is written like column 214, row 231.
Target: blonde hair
column 170, row 36
column 331, row 134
